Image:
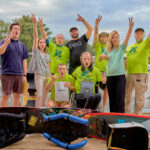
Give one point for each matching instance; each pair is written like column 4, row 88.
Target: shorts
column 103, row 85
column 11, row 83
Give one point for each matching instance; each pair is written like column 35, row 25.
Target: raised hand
column 40, row 22
column 7, row 39
column 33, row 19
column 131, row 23
column 98, row 19
column 53, row 78
column 80, row 18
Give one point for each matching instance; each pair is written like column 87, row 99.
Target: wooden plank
column 38, row 142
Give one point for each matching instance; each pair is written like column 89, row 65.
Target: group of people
column 111, row 72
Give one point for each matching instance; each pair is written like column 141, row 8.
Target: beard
column 74, row 36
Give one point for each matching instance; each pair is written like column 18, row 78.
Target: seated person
column 60, row 85
column 87, row 76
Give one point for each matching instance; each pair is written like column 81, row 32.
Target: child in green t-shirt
column 100, row 41
column 60, row 85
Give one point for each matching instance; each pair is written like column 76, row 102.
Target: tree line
column 26, row 35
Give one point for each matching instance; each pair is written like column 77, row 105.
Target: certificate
column 61, row 92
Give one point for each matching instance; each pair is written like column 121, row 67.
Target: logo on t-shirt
column 58, row 54
column 73, row 45
column 85, row 74
column 133, row 50
column 102, row 49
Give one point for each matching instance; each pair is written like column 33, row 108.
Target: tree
column 4, row 27
column 90, row 48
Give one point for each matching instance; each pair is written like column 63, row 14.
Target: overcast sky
column 60, row 15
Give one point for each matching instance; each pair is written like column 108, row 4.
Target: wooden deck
column 38, row 142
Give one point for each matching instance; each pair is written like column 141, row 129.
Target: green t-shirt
column 137, row 57
column 58, row 54
column 86, row 77
column 99, row 49
column 115, row 65
column 67, row 78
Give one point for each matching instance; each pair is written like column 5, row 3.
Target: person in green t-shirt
column 115, row 69
column 58, row 52
column 100, row 41
column 137, row 56
column 60, row 85
column 87, row 78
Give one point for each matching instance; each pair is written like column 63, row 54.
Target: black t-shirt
column 76, row 47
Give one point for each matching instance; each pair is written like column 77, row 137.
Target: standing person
column 137, row 71
column 78, row 45
column 40, row 65
column 13, row 65
column 58, row 52
column 87, row 77
column 115, row 70
column 100, row 42
column 62, row 77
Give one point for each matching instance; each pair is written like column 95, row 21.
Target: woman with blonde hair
column 115, row 70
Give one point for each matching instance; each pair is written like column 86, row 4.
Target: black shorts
column 103, row 86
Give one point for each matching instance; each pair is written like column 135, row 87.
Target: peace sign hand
column 131, row 23
column 98, row 19
column 80, row 18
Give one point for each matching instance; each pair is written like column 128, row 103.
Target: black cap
column 73, row 28
column 139, row 29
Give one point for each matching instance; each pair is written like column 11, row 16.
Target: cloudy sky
column 60, row 15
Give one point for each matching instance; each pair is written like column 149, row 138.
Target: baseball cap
column 73, row 28
column 139, row 29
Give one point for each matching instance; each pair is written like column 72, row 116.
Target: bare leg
column 16, row 99
column 65, row 105
column 45, row 92
column 105, row 97
column 51, row 104
column 4, row 100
